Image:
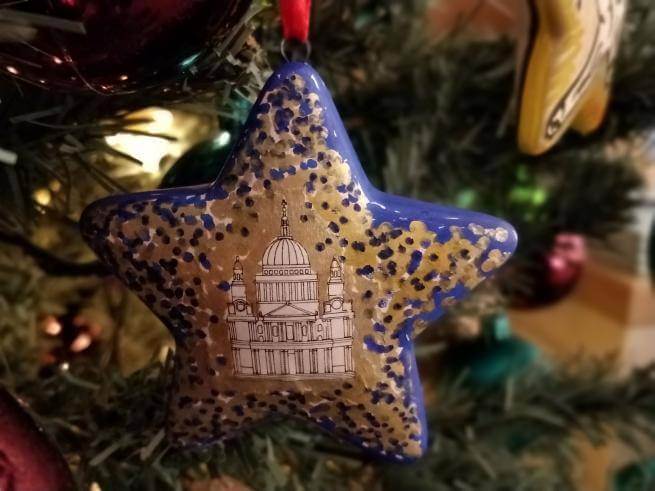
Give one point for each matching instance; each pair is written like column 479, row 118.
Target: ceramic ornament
column 291, row 285
column 29, row 460
column 112, row 47
column 568, row 69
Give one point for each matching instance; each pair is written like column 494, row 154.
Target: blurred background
column 543, row 379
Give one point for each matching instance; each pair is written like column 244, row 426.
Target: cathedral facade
column 285, row 334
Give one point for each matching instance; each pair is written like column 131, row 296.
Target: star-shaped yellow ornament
column 568, row 69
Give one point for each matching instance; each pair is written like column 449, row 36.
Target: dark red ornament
column 553, row 275
column 565, row 262
column 110, row 46
column 28, row 460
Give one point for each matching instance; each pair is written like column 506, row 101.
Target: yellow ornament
column 568, row 69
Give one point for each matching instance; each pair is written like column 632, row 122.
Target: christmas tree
column 101, row 100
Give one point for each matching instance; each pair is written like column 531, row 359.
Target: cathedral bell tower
column 335, row 283
column 237, row 285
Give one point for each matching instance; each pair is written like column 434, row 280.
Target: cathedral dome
column 284, row 251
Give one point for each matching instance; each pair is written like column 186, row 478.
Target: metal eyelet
column 295, row 50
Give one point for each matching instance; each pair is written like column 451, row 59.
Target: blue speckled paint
column 397, row 212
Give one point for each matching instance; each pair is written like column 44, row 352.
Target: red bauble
column 28, row 460
column 126, row 44
column 555, row 274
column 565, row 262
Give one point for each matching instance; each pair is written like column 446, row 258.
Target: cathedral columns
column 348, row 358
column 328, row 360
column 270, row 362
column 255, row 361
column 236, row 356
column 291, row 357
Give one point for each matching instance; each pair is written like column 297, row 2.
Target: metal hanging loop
column 295, row 50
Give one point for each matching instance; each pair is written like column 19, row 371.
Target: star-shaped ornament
column 568, row 68
column 291, row 285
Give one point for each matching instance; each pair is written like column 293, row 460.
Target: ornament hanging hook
column 294, row 50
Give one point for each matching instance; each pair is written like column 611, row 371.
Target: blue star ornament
column 291, row 285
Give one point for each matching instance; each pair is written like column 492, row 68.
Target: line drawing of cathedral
column 284, row 335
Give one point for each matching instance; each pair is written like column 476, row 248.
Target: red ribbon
column 295, row 19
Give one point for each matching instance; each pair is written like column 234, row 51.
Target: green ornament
column 527, row 196
column 201, row 164
column 492, row 358
column 465, row 198
column 636, row 477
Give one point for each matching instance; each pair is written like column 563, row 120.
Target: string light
column 157, row 137
column 223, row 138
column 55, row 186
column 51, row 326
column 81, row 342
column 42, row 196
column 149, row 150
column 186, row 63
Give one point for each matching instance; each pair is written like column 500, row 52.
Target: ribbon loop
column 295, row 19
